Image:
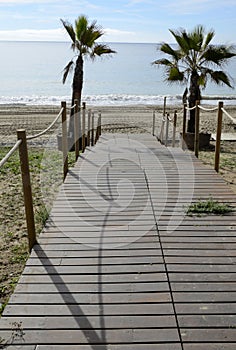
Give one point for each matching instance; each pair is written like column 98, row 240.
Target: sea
column 31, row 74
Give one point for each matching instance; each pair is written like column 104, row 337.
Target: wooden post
column 162, row 130
column 196, row 138
column 76, row 127
column 164, row 107
column 167, row 129
column 184, row 125
column 218, row 136
column 28, row 199
column 89, row 128
column 83, row 128
column 153, row 123
column 97, row 130
column 99, row 124
column 64, row 140
column 92, row 135
column 174, row 129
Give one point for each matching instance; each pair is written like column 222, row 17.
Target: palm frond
column 163, row 62
column 209, row 36
column 196, row 38
column 87, row 33
column 202, row 80
column 174, row 74
column 167, row 49
column 221, row 78
column 101, row 49
column 218, row 54
column 182, row 39
column 70, row 30
column 68, row 68
column 81, row 25
column 96, row 29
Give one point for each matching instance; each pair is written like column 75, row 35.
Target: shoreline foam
column 112, row 100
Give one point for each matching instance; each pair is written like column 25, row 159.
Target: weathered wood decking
column 119, row 264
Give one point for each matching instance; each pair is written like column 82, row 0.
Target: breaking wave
column 113, row 99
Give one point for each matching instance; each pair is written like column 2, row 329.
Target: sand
column 121, row 119
column 135, row 119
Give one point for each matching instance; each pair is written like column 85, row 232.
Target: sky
column 141, row 21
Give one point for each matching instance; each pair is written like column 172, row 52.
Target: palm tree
column 194, row 62
column 83, row 36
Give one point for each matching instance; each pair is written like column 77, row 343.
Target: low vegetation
column 13, row 232
column 227, row 162
column 209, row 206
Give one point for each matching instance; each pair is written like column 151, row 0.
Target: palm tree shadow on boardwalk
column 82, row 320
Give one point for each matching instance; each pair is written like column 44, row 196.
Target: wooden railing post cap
column 20, row 131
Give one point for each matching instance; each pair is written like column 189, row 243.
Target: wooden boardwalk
column 120, row 266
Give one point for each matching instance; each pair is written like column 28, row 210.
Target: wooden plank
column 209, row 296
column 94, row 261
column 107, row 253
column 89, row 310
column 202, row 277
column 206, row 308
column 91, row 336
column 209, row 335
column 170, row 346
column 90, row 298
column 91, row 288
column 201, row 252
column 80, row 322
column 210, row 346
column 207, row 321
column 204, row 286
column 107, row 278
column 118, row 251
column 209, row 260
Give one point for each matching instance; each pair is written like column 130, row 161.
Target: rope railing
column 161, row 135
column 10, row 153
column 220, row 111
column 165, row 122
column 48, row 128
column 228, row 115
column 21, row 144
column 207, row 109
column 72, row 107
column 190, row 108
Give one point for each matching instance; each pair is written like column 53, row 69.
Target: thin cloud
column 184, row 7
column 118, row 35
column 19, row 2
column 145, row 2
column 34, row 35
column 118, row 32
column 57, row 34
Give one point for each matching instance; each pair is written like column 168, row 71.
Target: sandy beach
column 136, row 119
column 122, row 119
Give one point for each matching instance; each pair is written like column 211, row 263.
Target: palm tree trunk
column 77, row 87
column 195, row 95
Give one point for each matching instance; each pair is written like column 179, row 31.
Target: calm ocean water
column 31, row 72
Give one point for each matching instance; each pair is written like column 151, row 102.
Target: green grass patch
column 209, row 206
